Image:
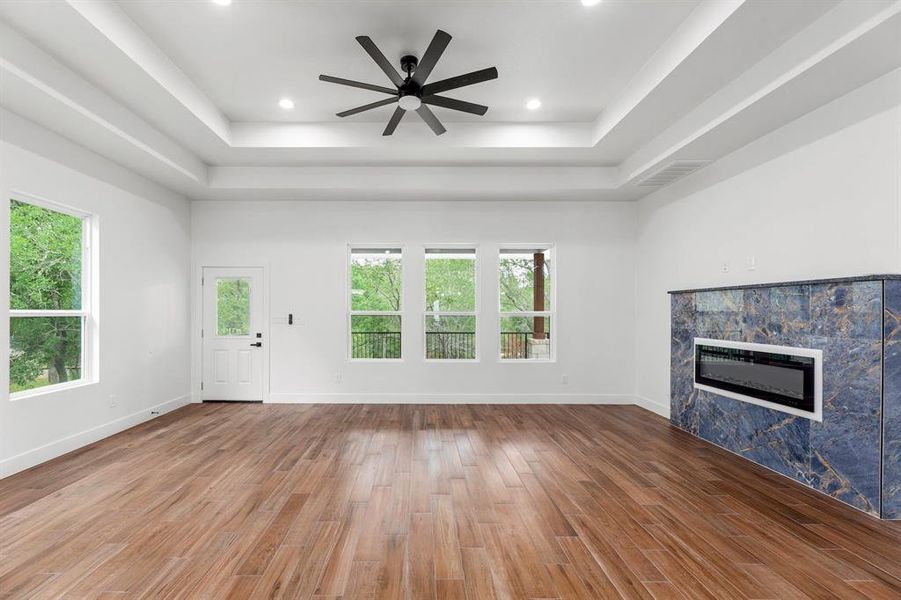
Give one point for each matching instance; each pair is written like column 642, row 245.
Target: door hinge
column 201, row 386
column 202, row 281
column 201, row 333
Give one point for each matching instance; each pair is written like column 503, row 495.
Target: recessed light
column 286, row 103
column 590, row 2
column 222, row 2
column 533, row 104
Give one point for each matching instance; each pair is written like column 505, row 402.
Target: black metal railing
column 375, row 344
column 516, row 344
column 459, row 345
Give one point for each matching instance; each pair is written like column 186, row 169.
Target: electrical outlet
column 725, row 267
column 564, row 379
column 113, row 401
column 752, row 263
column 337, row 377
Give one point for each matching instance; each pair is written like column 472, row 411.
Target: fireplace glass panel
column 785, row 379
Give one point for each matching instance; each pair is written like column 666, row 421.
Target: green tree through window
column 45, row 260
column 375, row 302
column 233, row 307
column 450, row 303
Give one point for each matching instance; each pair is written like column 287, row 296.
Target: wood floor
column 291, row 501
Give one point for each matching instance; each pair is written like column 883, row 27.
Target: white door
column 233, row 333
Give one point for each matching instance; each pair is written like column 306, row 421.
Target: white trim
column 348, row 302
column 652, row 405
column 477, row 306
column 50, row 389
column 816, row 355
column 22, row 312
column 197, row 386
column 551, row 314
column 26, row 198
column 89, row 369
column 197, row 320
column 414, row 398
column 41, row 454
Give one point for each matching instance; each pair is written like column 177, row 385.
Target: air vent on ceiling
column 672, row 172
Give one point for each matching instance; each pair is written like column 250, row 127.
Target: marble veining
column 891, row 424
column 841, row 456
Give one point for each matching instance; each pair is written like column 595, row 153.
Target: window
column 48, row 297
column 450, row 304
column 376, row 289
column 233, row 306
column 526, row 303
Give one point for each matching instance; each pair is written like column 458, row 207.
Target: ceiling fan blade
column 394, row 120
column 459, row 81
column 358, row 84
column 454, row 104
column 430, row 119
column 431, row 56
column 379, row 58
column 365, row 107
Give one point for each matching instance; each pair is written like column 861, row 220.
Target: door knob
column 258, row 344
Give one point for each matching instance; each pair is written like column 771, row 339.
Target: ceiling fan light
column 409, row 102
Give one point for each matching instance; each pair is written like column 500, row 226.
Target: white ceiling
column 186, row 93
column 247, row 56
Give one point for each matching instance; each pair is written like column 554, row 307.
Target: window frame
column 474, row 313
column 89, row 364
column 550, row 314
column 348, row 299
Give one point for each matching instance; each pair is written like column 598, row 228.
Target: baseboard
column 653, row 406
column 41, row 454
column 410, row 398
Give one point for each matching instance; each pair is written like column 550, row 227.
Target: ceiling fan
column 412, row 92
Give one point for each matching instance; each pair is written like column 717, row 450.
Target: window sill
column 526, row 361
column 451, row 361
column 51, row 389
column 375, row 360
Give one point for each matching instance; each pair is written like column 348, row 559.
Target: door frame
column 197, row 324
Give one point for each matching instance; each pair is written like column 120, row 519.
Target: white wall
column 144, row 265
column 829, row 208
column 304, row 247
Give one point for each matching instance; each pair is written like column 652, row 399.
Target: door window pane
column 233, row 307
column 44, row 351
column 450, row 337
column 45, row 256
column 525, row 280
column 525, row 338
column 375, row 336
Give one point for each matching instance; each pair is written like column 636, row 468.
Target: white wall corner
column 653, row 406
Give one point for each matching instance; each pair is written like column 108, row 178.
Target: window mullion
column 22, row 312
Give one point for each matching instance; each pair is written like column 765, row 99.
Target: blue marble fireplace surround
column 854, row 454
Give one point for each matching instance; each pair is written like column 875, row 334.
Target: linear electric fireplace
column 779, row 377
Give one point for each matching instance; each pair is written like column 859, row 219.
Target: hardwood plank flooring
column 420, row 502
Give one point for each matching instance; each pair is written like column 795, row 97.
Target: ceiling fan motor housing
column 410, row 93
column 408, row 63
